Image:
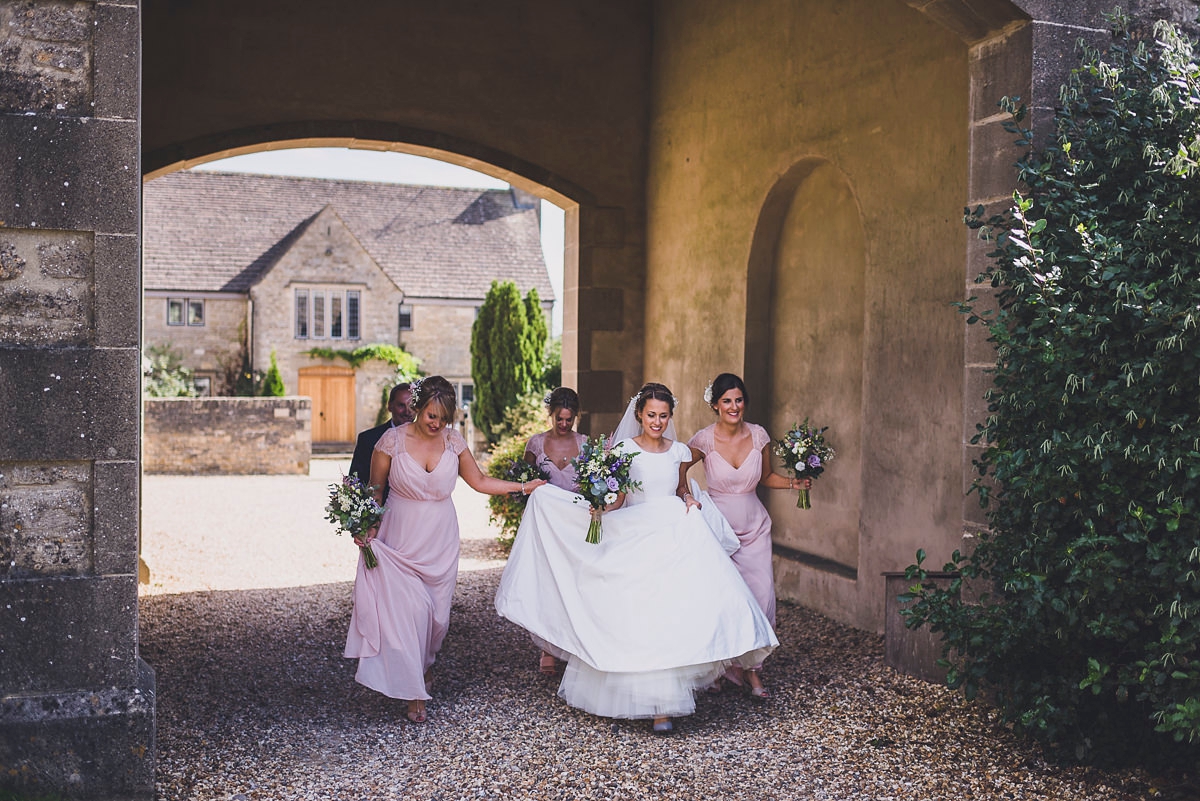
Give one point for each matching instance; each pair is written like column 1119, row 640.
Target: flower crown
column 674, row 401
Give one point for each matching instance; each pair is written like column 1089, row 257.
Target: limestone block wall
column 206, row 349
column 327, row 255
column 76, row 701
column 441, row 336
column 227, row 436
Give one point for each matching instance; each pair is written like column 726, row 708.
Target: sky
column 398, row 168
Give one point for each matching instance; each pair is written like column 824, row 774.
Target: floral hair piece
column 708, row 398
column 546, row 399
column 414, row 400
column 674, row 400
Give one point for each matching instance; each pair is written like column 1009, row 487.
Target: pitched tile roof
column 219, row 232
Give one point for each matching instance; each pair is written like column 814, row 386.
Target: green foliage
column 272, row 383
column 407, row 366
column 507, row 360
column 1088, row 630
column 526, row 418
column 537, row 334
column 164, row 376
column 552, row 375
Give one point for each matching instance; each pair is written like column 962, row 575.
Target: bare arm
column 468, row 468
column 381, row 466
column 682, row 490
column 772, row 480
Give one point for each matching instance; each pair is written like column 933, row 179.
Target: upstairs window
column 185, row 311
column 406, row 317
column 328, row 313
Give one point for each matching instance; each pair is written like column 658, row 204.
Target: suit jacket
column 364, row 446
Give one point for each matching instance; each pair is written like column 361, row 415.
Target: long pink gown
column 402, row 606
column 560, row 477
column 733, row 490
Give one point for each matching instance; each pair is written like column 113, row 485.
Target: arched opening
column 344, row 400
column 805, row 329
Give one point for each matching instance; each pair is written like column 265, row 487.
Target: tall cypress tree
column 537, row 333
column 499, row 365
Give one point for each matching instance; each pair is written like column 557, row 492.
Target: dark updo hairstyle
column 725, row 382
column 434, row 389
column 653, row 392
column 562, row 398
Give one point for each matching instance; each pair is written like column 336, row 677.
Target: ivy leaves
column 1088, row 631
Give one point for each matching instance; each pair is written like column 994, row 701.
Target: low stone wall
column 215, row 436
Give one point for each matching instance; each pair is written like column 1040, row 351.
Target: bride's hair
column 725, row 382
column 654, row 392
column 562, row 398
column 434, row 389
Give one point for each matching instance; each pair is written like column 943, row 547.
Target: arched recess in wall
column 805, row 330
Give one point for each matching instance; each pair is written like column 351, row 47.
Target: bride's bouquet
column 603, row 474
column 352, row 507
column 804, row 453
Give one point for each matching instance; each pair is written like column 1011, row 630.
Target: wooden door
column 332, row 393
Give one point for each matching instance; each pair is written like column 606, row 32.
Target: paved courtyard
column 244, row 622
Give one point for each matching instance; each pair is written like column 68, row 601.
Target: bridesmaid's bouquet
column 804, row 453
column 603, row 474
column 352, row 507
column 508, row 509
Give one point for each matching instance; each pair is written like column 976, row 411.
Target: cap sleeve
column 455, row 441
column 702, row 440
column 759, row 436
column 682, row 451
column 389, row 442
column 536, row 447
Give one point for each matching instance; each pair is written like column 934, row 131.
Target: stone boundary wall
column 220, row 436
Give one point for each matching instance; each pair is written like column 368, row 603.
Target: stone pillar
column 604, row 318
column 76, row 701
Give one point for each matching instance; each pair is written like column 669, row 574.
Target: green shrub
column 272, row 383
column 507, row 354
column 1088, row 634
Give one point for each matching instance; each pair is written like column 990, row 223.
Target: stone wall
column 206, row 349
column 227, row 436
column 76, row 700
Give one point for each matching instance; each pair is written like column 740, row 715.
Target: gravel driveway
column 245, row 619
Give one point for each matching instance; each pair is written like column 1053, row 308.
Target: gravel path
column 256, row 702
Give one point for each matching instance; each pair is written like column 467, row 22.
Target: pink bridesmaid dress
column 565, row 477
column 402, row 606
column 733, row 490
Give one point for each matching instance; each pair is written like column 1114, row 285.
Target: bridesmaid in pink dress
column 553, row 451
column 737, row 459
column 402, row 606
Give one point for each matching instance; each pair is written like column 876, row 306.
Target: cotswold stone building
column 770, row 187
column 285, row 265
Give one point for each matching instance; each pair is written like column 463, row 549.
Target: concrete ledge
column 227, row 436
column 95, row 745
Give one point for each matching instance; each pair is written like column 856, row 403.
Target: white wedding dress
column 646, row 617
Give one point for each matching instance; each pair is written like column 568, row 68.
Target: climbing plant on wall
column 1088, row 632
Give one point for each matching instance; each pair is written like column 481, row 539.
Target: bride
column 653, row 612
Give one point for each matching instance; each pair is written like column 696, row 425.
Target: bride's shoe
column 755, row 688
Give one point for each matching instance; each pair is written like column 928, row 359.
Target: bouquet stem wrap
column 369, row 559
column 802, row 501
column 593, row 535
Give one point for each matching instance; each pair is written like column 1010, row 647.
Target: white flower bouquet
column 352, row 507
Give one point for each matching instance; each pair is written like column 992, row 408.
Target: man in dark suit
column 360, row 465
